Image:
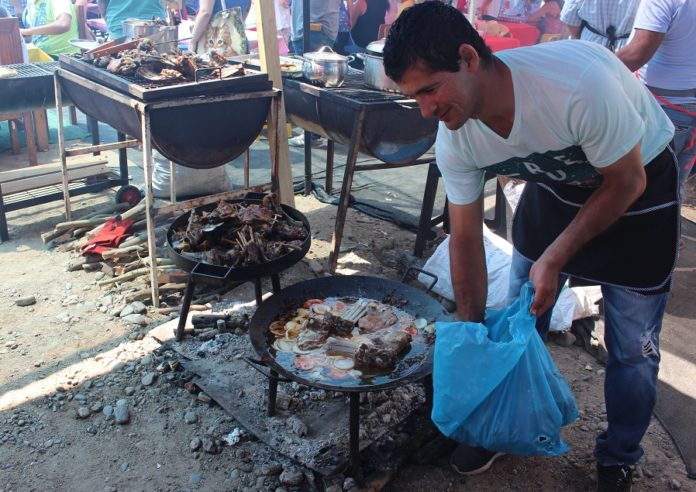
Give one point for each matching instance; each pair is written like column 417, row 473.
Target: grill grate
column 354, row 88
column 27, row 70
column 153, row 84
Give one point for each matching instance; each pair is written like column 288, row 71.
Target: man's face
column 451, row 97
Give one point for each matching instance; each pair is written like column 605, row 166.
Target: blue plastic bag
column 496, row 386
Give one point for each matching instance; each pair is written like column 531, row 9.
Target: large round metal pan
column 237, row 273
column 405, row 297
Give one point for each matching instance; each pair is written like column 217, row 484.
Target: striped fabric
column 600, row 14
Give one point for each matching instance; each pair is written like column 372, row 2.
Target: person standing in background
column 14, row 8
column 116, row 11
column 366, row 17
column 283, row 20
column 324, row 14
column 548, row 18
column 662, row 50
column 607, row 22
column 51, row 25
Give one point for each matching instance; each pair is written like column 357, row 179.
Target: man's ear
column 468, row 57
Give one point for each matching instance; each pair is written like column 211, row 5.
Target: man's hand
column 544, row 275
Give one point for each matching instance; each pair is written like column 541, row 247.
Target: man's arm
column 58, row 26
column 572, row 32
column 640, row 49
column 622, row 183
column 468, row 260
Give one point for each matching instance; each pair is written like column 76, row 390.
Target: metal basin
column 394, row 130
column 199, row 136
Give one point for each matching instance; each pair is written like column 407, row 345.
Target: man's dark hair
column 431, row 32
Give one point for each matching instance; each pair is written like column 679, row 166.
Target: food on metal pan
column 240, row 234
column 144, row 62
column 7, row 72
column 347, row 338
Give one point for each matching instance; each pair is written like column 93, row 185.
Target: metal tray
column 146, row 91
column 255, row 63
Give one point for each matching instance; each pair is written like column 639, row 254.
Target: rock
column 195, row 444
column 83, row 413
column 204, row 397
column 208, row 334
column 674, row 484
column 126, row 311
column 292, row 476
column 121, row 413
column 138, row 307
column 63, row 316
column 271, row 469
column 190, row 417
column 149, row 378
column 297, row 426
column 129, row 391
column 124, row 466
column 108, row 411
column 210, row 445
column 602, row 426
column 135, row 319
column 25, row 301
column 195, row 478
column 315, row 266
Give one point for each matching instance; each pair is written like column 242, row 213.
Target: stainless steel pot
column 325, row 67
column 166, row 38
column 374, row 68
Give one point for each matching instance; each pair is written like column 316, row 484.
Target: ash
column 310, row 424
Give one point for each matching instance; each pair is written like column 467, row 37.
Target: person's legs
column 519, row 275
column 632, row 324
column 684, row 140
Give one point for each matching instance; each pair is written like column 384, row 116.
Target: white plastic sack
column 573, row 303
column 188, row 181
column 498, row 254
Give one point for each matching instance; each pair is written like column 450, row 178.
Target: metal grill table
column 385, row 125
column 162, row 117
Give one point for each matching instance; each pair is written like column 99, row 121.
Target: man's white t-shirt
column 577, row 108
column 673, row 66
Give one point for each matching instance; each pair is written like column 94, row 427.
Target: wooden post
column 270, row 62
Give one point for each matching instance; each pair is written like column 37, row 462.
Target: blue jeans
column 684, row 144
column 632, row 324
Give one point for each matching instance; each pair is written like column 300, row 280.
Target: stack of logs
column 127, row 267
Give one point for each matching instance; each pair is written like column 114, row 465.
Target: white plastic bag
column 498, row 254
column 188, row 181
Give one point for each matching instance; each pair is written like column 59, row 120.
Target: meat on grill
column 384, row 350
column 378, row 317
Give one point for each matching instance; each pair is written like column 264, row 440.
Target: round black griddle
column 417, row 303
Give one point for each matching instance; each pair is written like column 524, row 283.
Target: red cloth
column 110, row 236
column 526, row 33
column 497, row 43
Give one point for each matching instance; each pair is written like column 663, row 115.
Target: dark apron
column 638, row 252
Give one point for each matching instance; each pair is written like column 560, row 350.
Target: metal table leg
column 149, row 203
column 61, row 147
column 329, row 166
column 185, row 306
column 345, row 190
column 425, row 222
column 354, row 430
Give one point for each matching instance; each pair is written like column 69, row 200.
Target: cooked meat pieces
column 378, row 317
column 254, row 215
column 395, row 339
column 289, row 232
column 375, row 357
column 332, row 324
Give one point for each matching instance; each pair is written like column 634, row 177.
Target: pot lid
column 325, row 53
column 376, row 47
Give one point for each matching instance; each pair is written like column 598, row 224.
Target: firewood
column 129, row 276
column 176, row 309
column 119, row 252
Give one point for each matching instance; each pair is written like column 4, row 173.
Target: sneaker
column 298, row 141
column 469, row 460
column 617, row 478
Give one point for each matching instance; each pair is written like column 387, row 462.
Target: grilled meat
column 378, row 317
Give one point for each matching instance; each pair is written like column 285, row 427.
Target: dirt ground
column 67, row 361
